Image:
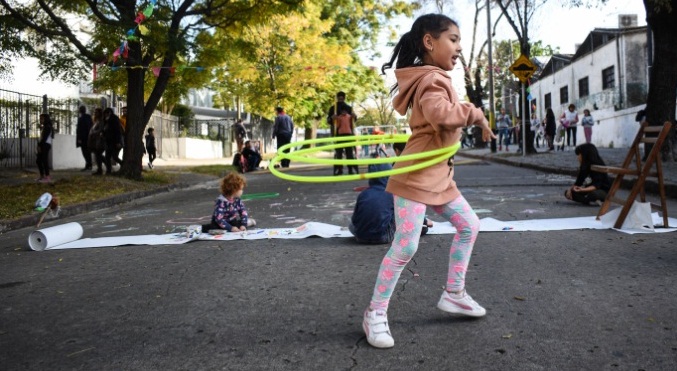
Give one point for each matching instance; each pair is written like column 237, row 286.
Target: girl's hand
column 243, row 228
column 577, row 189
column 487, row 134
column 234, row 229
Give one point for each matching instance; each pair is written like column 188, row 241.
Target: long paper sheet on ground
column 556, row 224
column 70, row 240
column 67, row 236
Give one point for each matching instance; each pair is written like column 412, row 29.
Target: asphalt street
column 555, row 300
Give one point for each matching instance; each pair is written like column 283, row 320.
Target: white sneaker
column 460, row 304
column 375, row 326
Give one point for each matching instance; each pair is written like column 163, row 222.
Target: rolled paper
column 46, row 238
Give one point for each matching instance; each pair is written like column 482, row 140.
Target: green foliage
column 301, row 59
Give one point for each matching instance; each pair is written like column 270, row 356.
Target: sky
column 554, row 24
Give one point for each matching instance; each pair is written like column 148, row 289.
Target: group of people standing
column 553, row 130
column 102, row 136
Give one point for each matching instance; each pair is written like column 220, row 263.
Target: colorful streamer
column 123, row 50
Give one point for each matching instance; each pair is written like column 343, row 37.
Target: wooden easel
column 634, row 166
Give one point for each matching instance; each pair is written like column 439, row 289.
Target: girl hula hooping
column 424, row 55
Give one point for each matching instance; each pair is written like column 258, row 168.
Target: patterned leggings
column 409, row 219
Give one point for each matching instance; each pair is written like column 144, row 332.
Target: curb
column 651, row 185
column 81, row 208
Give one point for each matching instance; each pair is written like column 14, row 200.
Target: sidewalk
column 566, row 163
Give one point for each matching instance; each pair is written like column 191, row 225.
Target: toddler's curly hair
column 232, row 183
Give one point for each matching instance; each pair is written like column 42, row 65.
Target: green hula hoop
column 433, row 156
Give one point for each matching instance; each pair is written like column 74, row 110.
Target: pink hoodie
column 436, row 121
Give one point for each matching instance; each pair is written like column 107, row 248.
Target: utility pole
column 492, row 121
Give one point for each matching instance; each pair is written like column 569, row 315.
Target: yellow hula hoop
column 434, row 157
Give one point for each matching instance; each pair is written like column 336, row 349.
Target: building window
column 547, row 99
column 564, row 95
column 583, row 90
column 608, row 78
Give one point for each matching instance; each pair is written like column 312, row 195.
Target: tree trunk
column 663, row 76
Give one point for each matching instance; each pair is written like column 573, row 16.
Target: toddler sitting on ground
column 230, row 214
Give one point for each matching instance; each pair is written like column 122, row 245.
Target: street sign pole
column 524, row 123
column 523, row 68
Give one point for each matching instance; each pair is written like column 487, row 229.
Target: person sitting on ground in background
column 253, row 157
column 373, row 220
column 150, row 147
column 600, row 183
column 230, row 214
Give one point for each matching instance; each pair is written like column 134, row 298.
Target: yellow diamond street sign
column 523, row 68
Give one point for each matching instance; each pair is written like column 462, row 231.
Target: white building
column 608, row 74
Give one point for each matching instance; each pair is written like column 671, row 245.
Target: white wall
column 612, row 128
column 64, row 154
column 191, row 148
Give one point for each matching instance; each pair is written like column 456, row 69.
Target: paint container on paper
column 193, row 231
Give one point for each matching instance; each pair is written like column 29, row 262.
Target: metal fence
column 20, row 123
column 20, row 128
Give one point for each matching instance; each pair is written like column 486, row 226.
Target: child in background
column 587, row 122
column 600, row 183
column 150, row 147
column 373, row 220
column 424, row 55
column 230, row 214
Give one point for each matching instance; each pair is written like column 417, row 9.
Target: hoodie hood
column 408, row 80
column 382, row 181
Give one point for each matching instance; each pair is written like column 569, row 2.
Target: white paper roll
column 44, row 239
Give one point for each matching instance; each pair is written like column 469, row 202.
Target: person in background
column 240, row 133
column 596, row 190
column 230, row 213
column 332, row 120
column 587, row 122
column 373, row 219
column 123, row 129
column 112, row 133
column 569, row 120
column 97, row 143
column 345, row 127
column 150, row 147
column 283, row 130
column 550, row 129
column 82, row 130
column 44, row 146
column 504, row 125
column 536, row 129
column 252, row 155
